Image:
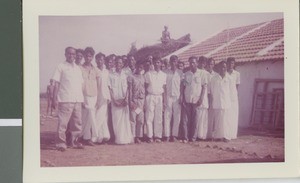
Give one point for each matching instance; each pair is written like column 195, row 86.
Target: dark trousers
column 189, row 121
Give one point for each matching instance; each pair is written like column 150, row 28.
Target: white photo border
column 33, row 172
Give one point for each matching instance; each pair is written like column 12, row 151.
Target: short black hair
column 209, row 60
column 89, row 50
column 99, row 55
column 69, row 47
column 79, row 50
column 202, row 59
column 192, row 58
column 230, row 59
column 173, row 57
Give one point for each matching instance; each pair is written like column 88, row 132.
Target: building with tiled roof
column 259, row 53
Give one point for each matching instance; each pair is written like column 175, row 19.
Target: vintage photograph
column 161, row 89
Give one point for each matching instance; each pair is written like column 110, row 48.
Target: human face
column 202, row 65
column 210, row 65
column 79, row 57
column 223, row 69
column 119, row 64
column 193, row 65
column 100, row 61
column 230, row 65
column 173, row 63
column 139, row 69
column 180, row 66
column 157, row 65
column 150, row 58
column 110, row 64
column 88, row 57
column 132, row 61
column 70, row 55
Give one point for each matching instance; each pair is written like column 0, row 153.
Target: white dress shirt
column 220, row 91
column 69, row 76
column 156, row 81
column 174, row 79
column 193, row 83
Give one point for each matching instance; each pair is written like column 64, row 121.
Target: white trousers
column 233, row 119
column 173, row 110
column 221, row 124
column 154, row 112
column 102, row 130
column 201, row 123
column 210, row 125
column 89, row 118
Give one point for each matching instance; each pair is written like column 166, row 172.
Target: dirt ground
column 250, row 146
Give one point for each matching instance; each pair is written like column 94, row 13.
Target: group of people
column 130, row 102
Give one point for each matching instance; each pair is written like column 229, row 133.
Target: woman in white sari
column 120, row 110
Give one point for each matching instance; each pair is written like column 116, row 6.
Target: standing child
column 119, row 107
column 234, row 84
column 136, row 85
column 155, row 84
column 102, row 130
column 220, row 93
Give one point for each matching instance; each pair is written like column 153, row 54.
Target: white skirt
column 121, row 125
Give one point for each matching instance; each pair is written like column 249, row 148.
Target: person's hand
column 198, row 103
column 132, row 105
column 124, row 102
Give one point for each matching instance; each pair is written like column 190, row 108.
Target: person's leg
column 210, row 123
column 64, row 114
column 167, row 117
column 202, row 124
column 158, row 117
column 186, row 120
column 193, row 125
column 176, row 118
column 133, row 122
column 76, row 123
column 150, row 115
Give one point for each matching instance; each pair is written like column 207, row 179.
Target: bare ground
column 250, row 146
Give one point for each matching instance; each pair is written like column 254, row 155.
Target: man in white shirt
column 69, row 98
column 130, row 69
column 155, row 85
column 104, row 99
column 220, row 93
column 234, row 84
column 193, row 101
column 211, row 73
column 173, row 107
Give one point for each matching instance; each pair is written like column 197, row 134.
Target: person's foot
column 90, row 143
column 226, row 140
column 138, row 141
column 184, row 141
column 192, row 140
column 157, row 140
column 167, row 139
column 149, row 140
column 61, row 149
column 76, row 145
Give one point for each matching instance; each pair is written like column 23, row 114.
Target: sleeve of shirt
column 147, row 79
column 238, row 80
column 57, row 74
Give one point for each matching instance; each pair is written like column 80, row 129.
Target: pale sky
column 114, row 34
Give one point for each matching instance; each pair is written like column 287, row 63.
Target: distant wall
column 249, row 72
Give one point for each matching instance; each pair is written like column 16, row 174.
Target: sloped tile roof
column 245, row 43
